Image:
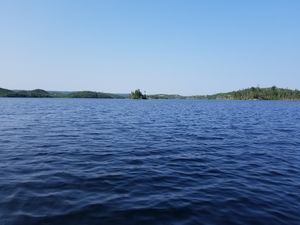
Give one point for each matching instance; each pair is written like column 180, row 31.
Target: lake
column 93, row 161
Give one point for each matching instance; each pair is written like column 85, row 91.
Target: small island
column 137, row 94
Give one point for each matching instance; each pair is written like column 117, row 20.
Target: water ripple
column 80, row 161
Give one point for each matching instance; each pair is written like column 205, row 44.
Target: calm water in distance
column 92, row 161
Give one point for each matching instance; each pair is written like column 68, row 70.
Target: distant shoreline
column 253, row 93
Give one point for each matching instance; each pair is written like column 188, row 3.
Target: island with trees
column 253, row 93
column 137, row 94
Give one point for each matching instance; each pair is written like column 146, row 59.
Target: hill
column 37, row 93
column 256, row 93
column 5, row 92
column 91, row 94
column 253, row 93
column 165, row 96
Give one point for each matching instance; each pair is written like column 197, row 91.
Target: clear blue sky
column 161, row 46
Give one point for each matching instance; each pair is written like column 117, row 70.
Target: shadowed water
column 80, row 161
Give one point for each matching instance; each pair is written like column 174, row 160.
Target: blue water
column 86, row 162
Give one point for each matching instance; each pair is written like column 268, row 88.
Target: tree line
column 257, row 93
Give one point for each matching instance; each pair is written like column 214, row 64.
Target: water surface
column 81, row 161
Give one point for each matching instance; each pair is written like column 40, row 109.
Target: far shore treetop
column 137, row 94
column 253, row 93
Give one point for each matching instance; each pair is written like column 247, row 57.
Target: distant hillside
column 91, row 94
column 5, row 92
column 165, row 96
column 256, row 93
column 37, row 93
column 253, row 93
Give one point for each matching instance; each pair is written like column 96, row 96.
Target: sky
column 160, row 46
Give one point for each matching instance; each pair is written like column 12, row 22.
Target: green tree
column 137, row 94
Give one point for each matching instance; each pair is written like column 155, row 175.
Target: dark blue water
column 85, row 162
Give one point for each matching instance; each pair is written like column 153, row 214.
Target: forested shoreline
column 253, row 93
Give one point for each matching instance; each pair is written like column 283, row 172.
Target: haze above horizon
column 173, row 47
